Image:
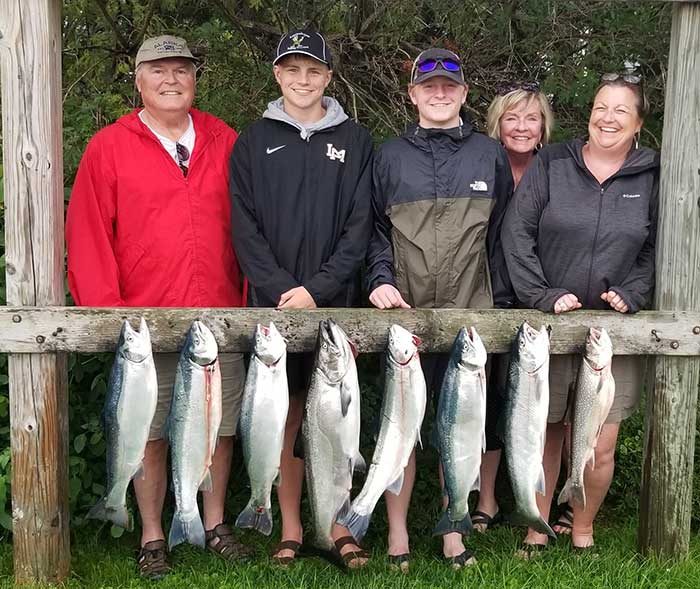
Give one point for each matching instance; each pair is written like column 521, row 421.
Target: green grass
column 103, row 562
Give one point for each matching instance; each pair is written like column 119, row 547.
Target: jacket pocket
column 129, row 260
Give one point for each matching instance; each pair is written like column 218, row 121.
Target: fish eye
column 325, row 346
column 129, row 338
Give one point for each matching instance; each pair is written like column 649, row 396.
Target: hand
column 568, row 302
column 615, row 301
column 296, row 298
column 387, row 296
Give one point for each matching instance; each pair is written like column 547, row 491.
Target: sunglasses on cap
column 508, row 87
column 634, row 79
column 428, row 65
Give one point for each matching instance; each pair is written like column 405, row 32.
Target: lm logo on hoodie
column 335, row 154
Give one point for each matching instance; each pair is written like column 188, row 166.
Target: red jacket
column 139, row 233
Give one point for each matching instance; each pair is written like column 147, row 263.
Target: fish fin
column 483, row 440
column 447, row 526
column 255, row 518
column 298, row 451
column 540, row 485
column 542, row 527
column 345, row 400
column 119, row 515
column 140, row 473
column 186, row 531
column 572, row 493
column 344, row 510
column 395, row 487
column 591, row 460
column 477, row 483
column 206, row 484
column 419, row 440
column 359, row 465
column 355, row 523
column 278, row 478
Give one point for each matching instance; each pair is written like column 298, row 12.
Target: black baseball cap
column 304, row 42
column 437, row 62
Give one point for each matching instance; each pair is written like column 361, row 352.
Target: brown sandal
column 152, row 560
column 351, row 555
column 222, row 542
column 284, row 561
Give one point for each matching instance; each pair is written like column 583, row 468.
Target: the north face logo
column 335, row 154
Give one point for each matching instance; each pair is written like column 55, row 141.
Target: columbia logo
column 631, row 195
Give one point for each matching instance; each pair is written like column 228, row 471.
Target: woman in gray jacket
column 580, row 232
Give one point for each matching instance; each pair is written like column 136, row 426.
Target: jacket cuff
column 381, row 282
column 547, row 300
column 632, row 307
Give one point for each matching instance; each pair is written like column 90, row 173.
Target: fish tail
column 182, row 530
column 541, row 526
column 119, row 515
column 256, row 517
column 447, row 526
column 572, row 492
column 356, row 523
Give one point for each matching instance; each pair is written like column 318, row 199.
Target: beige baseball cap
column 163, row 47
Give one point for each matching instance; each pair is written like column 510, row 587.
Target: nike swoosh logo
column 274, row 149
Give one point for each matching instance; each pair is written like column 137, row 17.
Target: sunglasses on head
column 625, row 77
column 509, row 87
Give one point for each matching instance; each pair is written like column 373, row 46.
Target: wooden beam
column 667, row 475
column 30, row 60
column 91, row 330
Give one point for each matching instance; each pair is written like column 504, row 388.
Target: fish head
column 599, row 350
column 469, row 349
column 134, row 345
column 270, row 346
column 531, row 347
column 402, row 345
column 334, row 352
column 200, row 345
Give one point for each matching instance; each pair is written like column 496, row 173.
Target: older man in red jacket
column 149, row 225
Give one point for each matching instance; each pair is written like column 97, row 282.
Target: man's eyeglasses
column 508, row 87
column 634, row 79
column 183, row 155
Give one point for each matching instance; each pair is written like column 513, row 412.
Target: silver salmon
column 193, row 428
column 461, row 419
column 331, row 430
column 403, row 408
column 129, row 409
column 263, row 417
column 595, row 392
column 526, row 409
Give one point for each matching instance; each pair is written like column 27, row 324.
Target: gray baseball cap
column 437, row 62
column 163, row 47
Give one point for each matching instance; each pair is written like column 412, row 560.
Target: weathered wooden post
column 30, row 58
column 670, row 429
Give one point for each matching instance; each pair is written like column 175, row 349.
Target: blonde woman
column 521, row 119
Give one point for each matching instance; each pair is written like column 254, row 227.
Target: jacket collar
column 637, row 160
column 206, row 127
column 420, row 136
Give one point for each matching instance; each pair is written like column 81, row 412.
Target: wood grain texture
column 91, row 330
column 30, row 63
column 671, row 412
